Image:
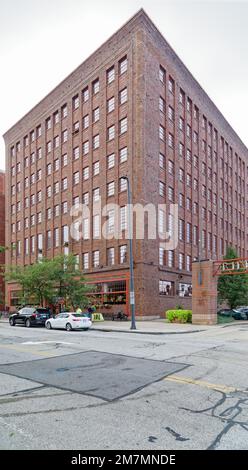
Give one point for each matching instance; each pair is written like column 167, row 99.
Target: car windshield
column 42, row 310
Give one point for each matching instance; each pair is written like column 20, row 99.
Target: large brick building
column 132, row 108
column 2, row 234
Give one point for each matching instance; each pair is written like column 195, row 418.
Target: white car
column 69, row 321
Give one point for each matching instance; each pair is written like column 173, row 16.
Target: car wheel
column 48, row 325
column 12, row 322
column 28, row 323
column 85, row 329
column 68, row 327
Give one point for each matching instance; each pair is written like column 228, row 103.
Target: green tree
column 70, row 282
column 233, row 289
column 49, row 279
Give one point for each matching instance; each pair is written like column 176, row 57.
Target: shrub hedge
column 179, row 316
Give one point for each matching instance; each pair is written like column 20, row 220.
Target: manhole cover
column 102, row 375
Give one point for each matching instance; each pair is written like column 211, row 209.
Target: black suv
column 30, row 316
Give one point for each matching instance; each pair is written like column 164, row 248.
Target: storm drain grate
column 102, row 375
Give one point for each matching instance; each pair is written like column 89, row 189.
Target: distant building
column 132, row 108
column 2, row 235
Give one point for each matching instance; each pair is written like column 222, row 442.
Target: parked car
column 30, row 316
column 69, row 321
column 240, row 313
column 225, row 312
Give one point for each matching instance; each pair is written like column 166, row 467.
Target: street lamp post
column 130, row 233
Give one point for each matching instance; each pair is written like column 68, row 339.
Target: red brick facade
column 2, row 233
column 179, row 149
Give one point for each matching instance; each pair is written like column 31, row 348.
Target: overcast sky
column 42, row 41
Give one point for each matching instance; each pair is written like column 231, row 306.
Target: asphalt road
column 112, row 390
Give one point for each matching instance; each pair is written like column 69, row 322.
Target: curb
column 110, row 330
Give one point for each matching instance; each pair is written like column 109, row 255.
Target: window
column 56, row 141
column 49, row 169
column 64, row 159
column 26, row 162
column 96, row 168
column 85, row 94
column 95, row 86
column 39, row 153
column 188, row 232
column 123, row 155
column 75, row 102
column 56, row 237
column 122, row 184
column 86, row 173
column 96, row 114
column 38, row 175
column 111, row 161
column 111, row 132
column 65, row 234
column 96, row 142
column 85, row 260
column 171, row 85
column 32, row 199
column 189, row 156
column 64, row 184
column 86, row 121
column 111, row 256
column 161, row 104
column 38, row 131
column 123, row 254
column 76, row 201
column 171, row 259
column 56, row 164
column 110, row 75
column 56, row 117
column 32, row 220
column 48, row 123
column 111, row 104
column 86, row 147
column 161, row 256
column 161, row 161
column 64, row 207
column 171, row 141
column 181, row 228
column 65, row 133
column 76, row 177
column 49, row 213
column 123, row 96
column 161, row 189
column 18, row 168
column 166, row 288
column 171, row 113
column 96, row 258
column 123, row 218
column 49, row 146
column 111, row 188
column 181, row 175
column 86, row 198
column 162, row 133
column 171, row 167
column 181, row 97
column 181, row 261
column 123, row 65
column 96, row 226
column 171, row 194
column 185, row 290
column 96, row 194
column 76, row 153
column 32, row 136
column 123, row 125
column 64, row 111
column 56, row 187
column 161, row 74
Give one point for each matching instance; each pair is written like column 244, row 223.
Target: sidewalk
column 155, row 327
